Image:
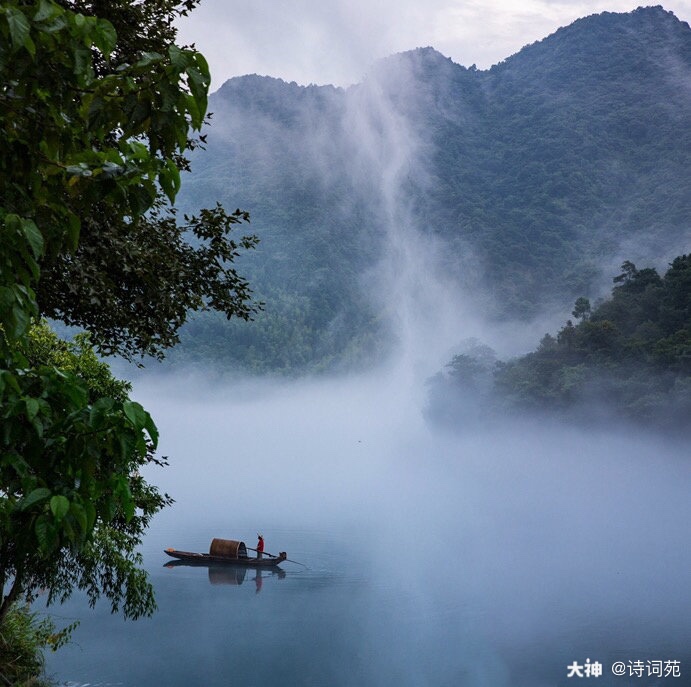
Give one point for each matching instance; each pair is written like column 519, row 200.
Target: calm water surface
column 494, row 558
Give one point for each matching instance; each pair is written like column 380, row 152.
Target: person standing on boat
column 260, row 546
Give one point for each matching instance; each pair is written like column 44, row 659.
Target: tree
column 129, row 308
column 633, row 280
column 74, row 504
column 95, row 119
column 628, row 273
column 581, row 309
column 131, row 107
column 631, row 353
column 472, row 368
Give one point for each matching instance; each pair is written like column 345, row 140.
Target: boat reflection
column 233, row 575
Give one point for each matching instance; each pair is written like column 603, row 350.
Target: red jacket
column 260, row 545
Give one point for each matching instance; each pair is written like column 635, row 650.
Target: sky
column 337, row 41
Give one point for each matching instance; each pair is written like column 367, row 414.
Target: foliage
column 23, row 636
column 95, row 118
column 61, row 156
column 631, row 357
column 133, row 309
column 463, row 389
column 43, row 348
column 95, row 129
column 74, row 503
column 581, row 309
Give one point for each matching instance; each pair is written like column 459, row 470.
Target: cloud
column 310, row 41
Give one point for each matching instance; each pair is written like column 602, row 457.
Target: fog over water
column 492, row 557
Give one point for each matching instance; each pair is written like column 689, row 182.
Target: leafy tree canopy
column 96, row 106
column 525, row 175
column 74, row 505
column 95, row 118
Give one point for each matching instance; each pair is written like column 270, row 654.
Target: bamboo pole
column 266, row 553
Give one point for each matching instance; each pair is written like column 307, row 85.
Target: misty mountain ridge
column 511, row 191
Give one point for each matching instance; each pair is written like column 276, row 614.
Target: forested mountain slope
column 535, row 179
column 628, row 357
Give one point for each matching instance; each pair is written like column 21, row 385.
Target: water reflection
column 233, row 575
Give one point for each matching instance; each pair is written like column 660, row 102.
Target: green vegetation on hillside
column 533, row 176
column 628, row 357
column 24, row 636
column 632, row 353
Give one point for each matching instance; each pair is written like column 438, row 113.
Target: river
column 497, row 557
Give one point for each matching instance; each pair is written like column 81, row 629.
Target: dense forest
column 627, row 357
column 533, row 180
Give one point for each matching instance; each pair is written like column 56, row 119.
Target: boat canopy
column 229, row 548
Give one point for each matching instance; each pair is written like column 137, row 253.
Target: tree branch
column 7, row 602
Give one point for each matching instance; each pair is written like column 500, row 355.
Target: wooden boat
column 207, row 558
column 227, row 552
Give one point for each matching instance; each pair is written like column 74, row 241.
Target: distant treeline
column 627, row 357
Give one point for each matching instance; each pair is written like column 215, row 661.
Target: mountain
column 527, row 183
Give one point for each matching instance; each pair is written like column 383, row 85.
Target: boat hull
column 207, row 559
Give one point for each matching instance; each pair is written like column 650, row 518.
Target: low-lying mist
column 529, row 529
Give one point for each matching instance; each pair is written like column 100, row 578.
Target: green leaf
column 169, row 178
column 195, row 111
column 12, row 223
column 47, row 10
column 74, row 391
column 73, row 229
column 7, row 379
column 140, row 419
column 138, row 200
column 127, row 445
column 19, row 27
column 81, row 169
column 19, row 322
column 99, row 413
column 149, row 58
column 202, row 66
column 33, row 236
column 178, row 58
column 151, row 428
column 30, row 46
column 135, row 414
column 46, row 534
column 79, row 514
column 36, row 496
column 60, row 506
column 90, row 511
column 31, row 408
column 105, row 37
